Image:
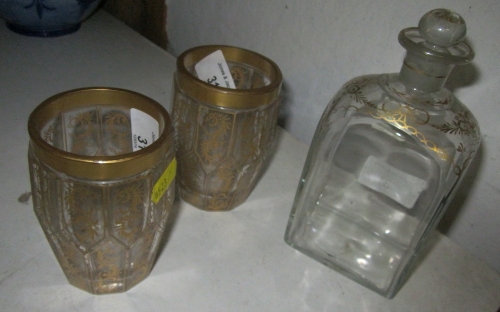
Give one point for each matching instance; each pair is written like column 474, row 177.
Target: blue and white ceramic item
column 46, row 18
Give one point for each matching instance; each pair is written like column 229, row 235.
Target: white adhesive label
column 145, row 129
column 392, row 182
column 214, row 70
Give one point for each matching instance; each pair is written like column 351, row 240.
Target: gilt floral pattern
column 462, row 124
column 104, row 235
column 220, row 151
column 417, row 122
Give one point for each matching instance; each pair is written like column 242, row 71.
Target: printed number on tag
column 214, row 70
column 145, row 129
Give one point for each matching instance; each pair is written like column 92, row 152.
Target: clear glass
column 222, row 145
column 104, row 231
column 384, row 163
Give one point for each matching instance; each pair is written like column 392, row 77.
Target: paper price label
column 214, row 70
column 164, row 181
column 145, row 129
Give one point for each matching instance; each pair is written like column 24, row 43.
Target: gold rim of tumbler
column 225, row 97
column 98, row 167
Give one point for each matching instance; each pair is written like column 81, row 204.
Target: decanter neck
column 433, row 49
column 423, row 74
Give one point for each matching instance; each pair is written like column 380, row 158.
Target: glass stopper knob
column 442, row 27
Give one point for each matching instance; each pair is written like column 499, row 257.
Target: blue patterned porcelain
column 46, row 18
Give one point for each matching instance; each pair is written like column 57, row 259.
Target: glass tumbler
column 102, row 173
column 224, row 136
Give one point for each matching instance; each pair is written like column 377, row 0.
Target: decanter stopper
column 433, row 49
column 442, row 27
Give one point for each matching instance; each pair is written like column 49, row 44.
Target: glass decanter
column 385, row 161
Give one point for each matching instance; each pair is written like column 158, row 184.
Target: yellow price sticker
column 164, row 181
